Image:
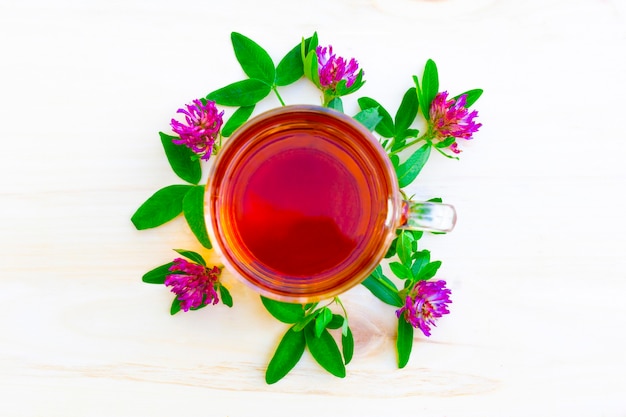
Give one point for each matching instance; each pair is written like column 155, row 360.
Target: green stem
column 386, row 285
column 425, row 137
column 329, row 303
column 328, row 97
column 445, row 154
column 217, row 146
column 390, row 144
column 278, row 95
column 313, row 306
column 345, row 313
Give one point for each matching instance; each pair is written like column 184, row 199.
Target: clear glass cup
column 303, row 202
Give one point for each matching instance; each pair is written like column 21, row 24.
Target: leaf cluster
column 398, row 133
column 159, row 274
column 395, row 130
column 263, row 77
column 395, row 133
column 172, row 200
column 309, row 328
column 410, row 265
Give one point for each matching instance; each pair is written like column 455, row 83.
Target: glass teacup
column 303, row 203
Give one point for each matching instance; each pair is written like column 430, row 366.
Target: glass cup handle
column 428, row 216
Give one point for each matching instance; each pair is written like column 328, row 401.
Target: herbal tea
column 300, row 212
column 300, row 203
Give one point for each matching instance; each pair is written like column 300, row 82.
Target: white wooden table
column 536, row 264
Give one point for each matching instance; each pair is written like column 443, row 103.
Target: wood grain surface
column 536, row 264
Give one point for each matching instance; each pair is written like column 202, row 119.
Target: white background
column 536, row 264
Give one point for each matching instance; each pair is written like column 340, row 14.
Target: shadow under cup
column 302, row 203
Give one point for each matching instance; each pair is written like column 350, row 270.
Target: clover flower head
column 193, row 284
column 203, row 123
column 450, row 118
column 426, row 302
column 333, row 69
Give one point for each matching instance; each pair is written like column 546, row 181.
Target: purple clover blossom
column 202, row 127
column 427, row 301
column 450, row 118
column 333, row 69
column 194, row 285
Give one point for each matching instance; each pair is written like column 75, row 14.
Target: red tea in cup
column 302, row 203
